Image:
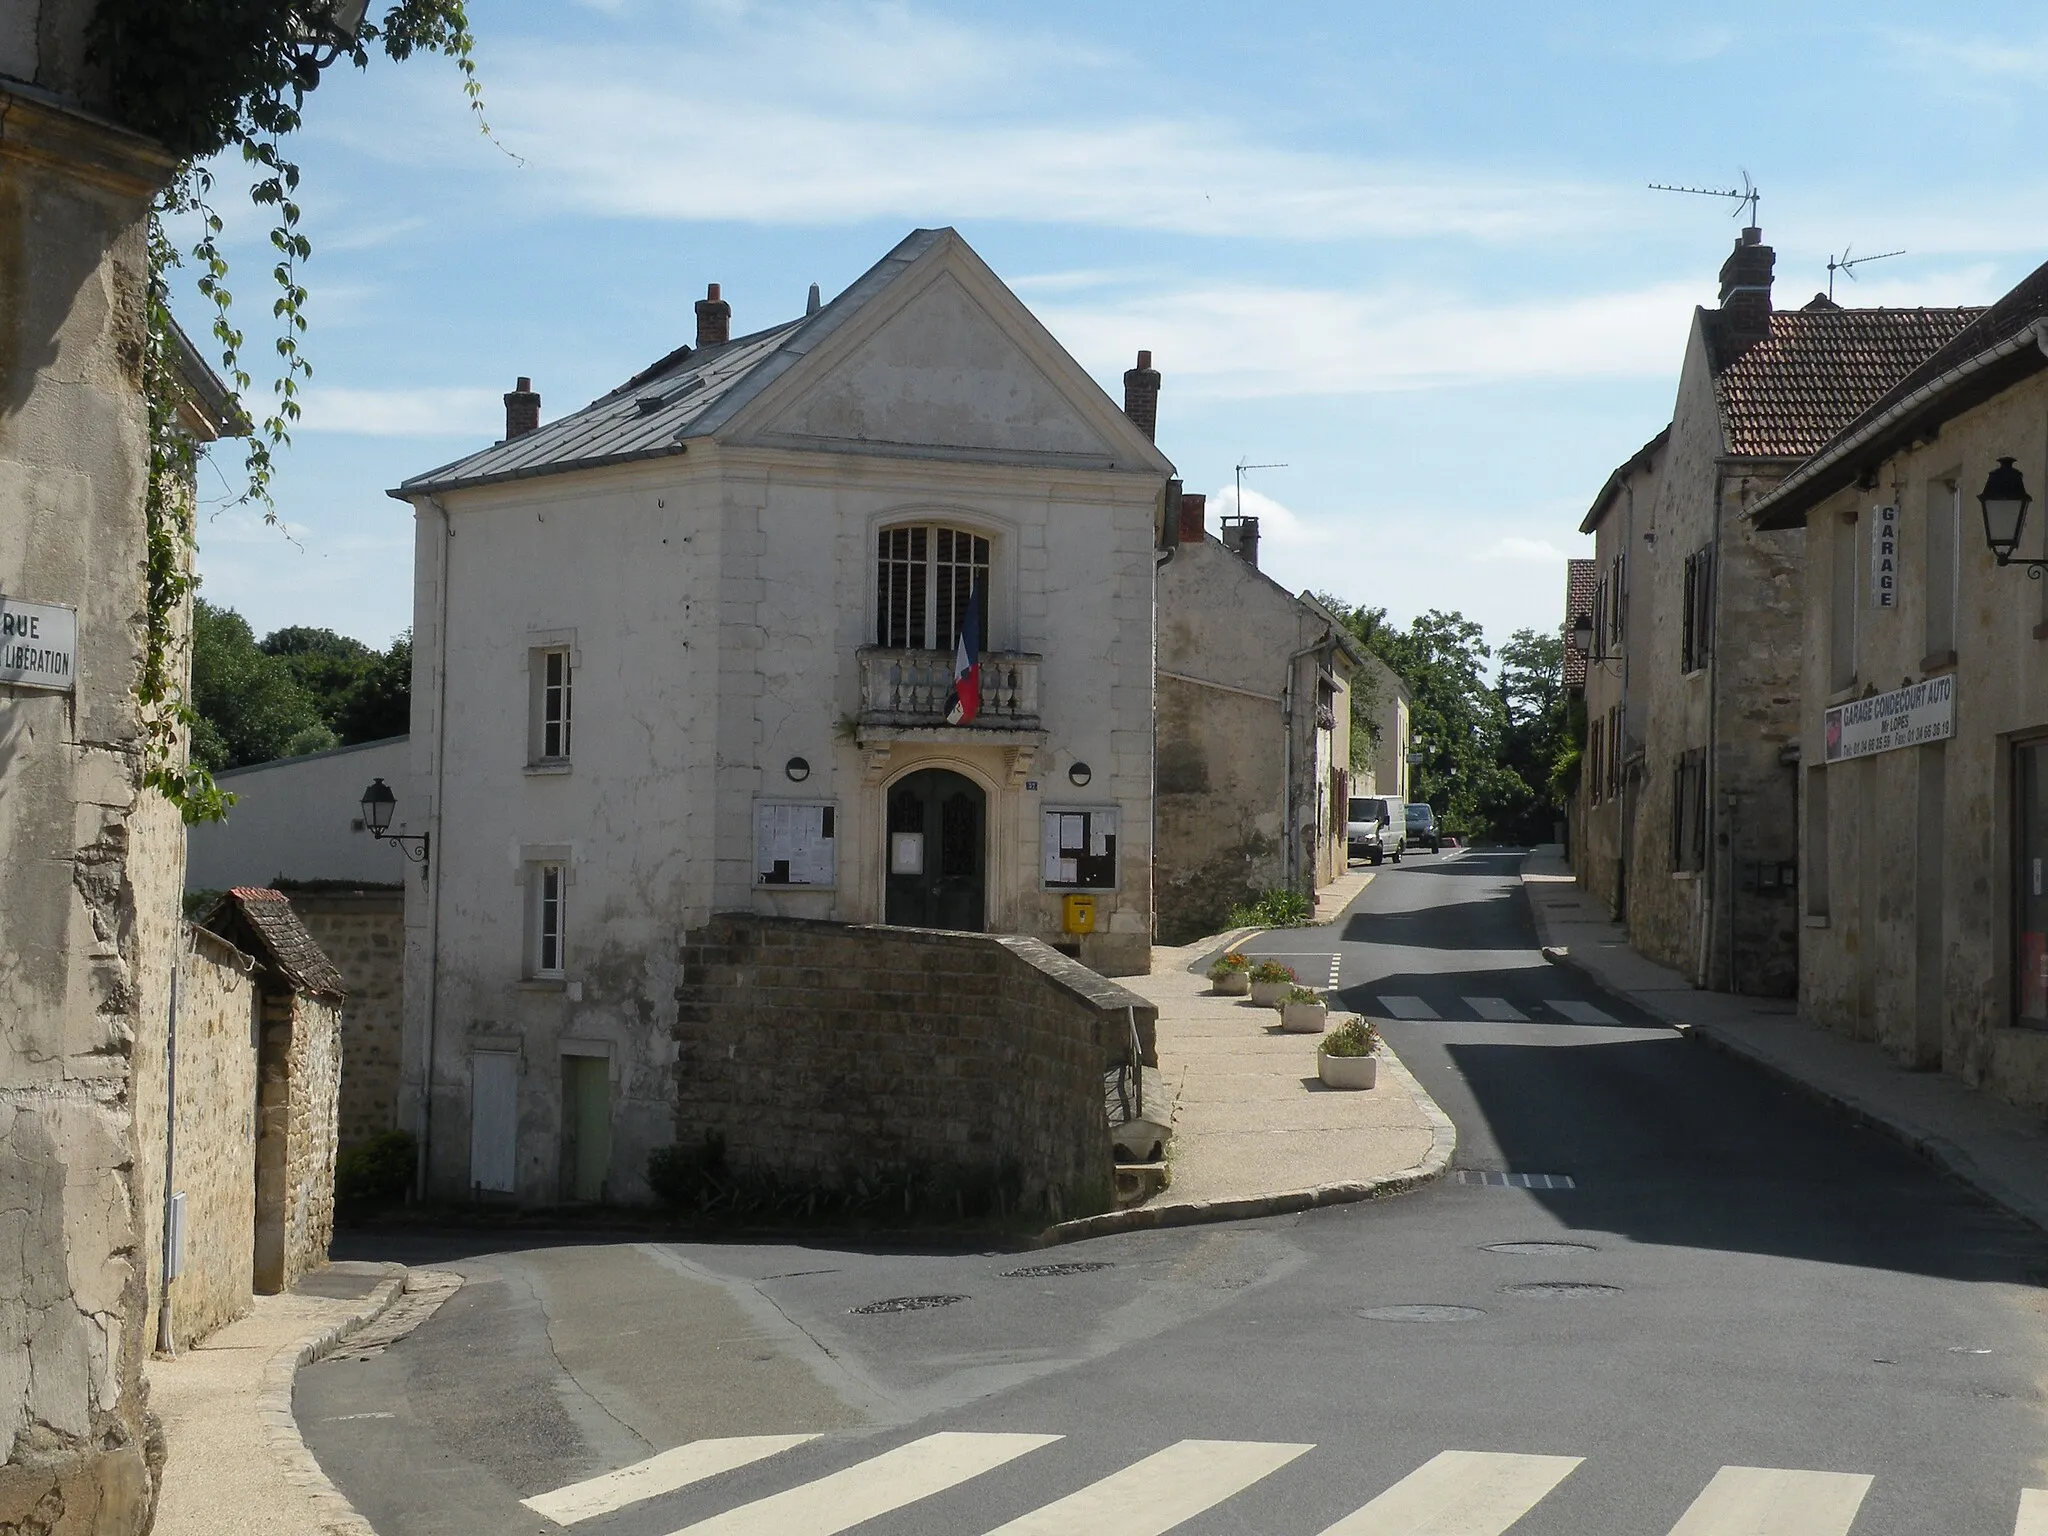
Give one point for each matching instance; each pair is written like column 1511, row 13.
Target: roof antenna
column 811, row 305
column 1846, row 264
column 1750, row 195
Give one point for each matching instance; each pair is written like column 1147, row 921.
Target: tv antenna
column 1238, row 508
column 1848, row 264
column 1748, row 197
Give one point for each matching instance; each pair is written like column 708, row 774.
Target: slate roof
column 262, row 922
column 1581, row 580
column 1995, row 338
column 689, row 393
column 1820, row 368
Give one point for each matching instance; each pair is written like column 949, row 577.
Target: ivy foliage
column 207, row 78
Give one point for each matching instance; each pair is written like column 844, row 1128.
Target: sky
column 1406, row 253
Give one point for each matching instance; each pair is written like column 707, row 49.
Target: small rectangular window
column 2030, row 885
column 1596, row 778
column 1696, row 629
column 1689, row 812
column 548, row 951
column 554, row 704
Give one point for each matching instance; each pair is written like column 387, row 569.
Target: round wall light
column 797, row 769
column 1079, row 774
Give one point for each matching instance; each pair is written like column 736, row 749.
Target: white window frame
column 938, row 631
column 551, row 700
column 547, row 881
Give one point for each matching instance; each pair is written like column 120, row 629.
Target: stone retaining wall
column 363, row 933
column 818, row 1050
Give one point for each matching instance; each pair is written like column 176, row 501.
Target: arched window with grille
column 924, row 575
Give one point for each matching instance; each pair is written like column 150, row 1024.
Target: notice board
column 794, row 843
column 1078, row 848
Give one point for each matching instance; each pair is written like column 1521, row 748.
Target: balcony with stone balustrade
column 903, row 695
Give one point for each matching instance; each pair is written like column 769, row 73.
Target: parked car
column 1375, row 827
column 1422, row 826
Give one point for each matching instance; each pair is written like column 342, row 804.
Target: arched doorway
column 936, row 859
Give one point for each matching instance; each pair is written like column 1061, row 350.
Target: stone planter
column 1304, row 1018
column 1269, row 994
column 1232, row 984
column 1347, row 1071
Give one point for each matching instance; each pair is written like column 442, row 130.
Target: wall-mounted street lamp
column 2005, row 502
column 378, row 804
column 1079, row 774
column 1581, row 636
column 326, row 32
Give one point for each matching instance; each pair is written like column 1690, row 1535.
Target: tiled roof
column 1820, row 368
column 688, row 393
column 1581, row 579
column 263, row 923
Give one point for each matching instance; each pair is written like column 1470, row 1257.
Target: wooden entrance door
column 936, row 859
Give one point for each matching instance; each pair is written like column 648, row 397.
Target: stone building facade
column 1715, row 621
column 361, row 929
column 690, row 650
column 1253, row 740
column 1924, row 775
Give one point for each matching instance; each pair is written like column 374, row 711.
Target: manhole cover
column 1421, row 1313
column 905, row 1304
column 1051, row 1271
column 1541, row 1250
column 1561, row 1288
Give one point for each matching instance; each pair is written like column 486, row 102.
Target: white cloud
column 1520, row 550
column 1278, row 524
column 448, row 412
column 1243, row 340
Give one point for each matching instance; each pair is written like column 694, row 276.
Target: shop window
column 2030, row 885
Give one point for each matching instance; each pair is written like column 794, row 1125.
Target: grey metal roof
column 687, row 394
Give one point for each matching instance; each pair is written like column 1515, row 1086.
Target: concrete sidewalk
column 2000, row 1150
column 236, row 1465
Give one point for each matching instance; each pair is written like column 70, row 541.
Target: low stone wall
column 818, row 1050
column 298, row 1084
column 363, row 933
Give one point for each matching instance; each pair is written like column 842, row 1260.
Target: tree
column 1536, row 733
column 379, row 704
column 250, row 706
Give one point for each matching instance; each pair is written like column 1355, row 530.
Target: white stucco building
column 688, row 650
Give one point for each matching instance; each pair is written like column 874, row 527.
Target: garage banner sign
column 1905, row 717
column 38, row 644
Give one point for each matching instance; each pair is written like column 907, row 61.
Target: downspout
column 1708, row 864
column 1169, row 495
column 166, row 1340
column 1292, row 867
column 427, row 871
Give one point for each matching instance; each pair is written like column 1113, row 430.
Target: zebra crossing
column 1488, row 1010
column 1454, row 1493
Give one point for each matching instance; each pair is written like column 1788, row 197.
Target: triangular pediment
column 945, row 369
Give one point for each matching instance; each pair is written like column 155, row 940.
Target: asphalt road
column 1733, row 1278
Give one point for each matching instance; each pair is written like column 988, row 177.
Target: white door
column 493, row 1120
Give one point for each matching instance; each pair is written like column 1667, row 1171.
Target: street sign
column 38, row 644
column 1905, row 717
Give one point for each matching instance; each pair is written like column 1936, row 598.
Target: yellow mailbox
column 1079, row 914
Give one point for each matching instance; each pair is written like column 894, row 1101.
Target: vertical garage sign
column 38, row 645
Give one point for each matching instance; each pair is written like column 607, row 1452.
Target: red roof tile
column 1819, row 369
column 1580, row 582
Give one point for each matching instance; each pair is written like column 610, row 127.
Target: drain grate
column 1516, row 1180
column 904, row 1304
column 1561, row 1288
column 1421, row 1313
column 1542, row 1250
column 1053, row 1271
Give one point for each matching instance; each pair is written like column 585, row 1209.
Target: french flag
column 965, row 702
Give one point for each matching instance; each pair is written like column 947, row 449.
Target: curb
column 274, row 1408
column 1188, row 1213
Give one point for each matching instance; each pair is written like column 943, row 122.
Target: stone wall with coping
column 363, row 933
column 816, row 1049
column 298, row 1085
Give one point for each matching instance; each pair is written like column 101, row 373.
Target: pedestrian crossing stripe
column 1459, row 1493
column 1491, row 1010
column 1496, row 1010
column 1408, row 1008
column 1158, row 1493
column 1454, row 1493
column 1516, row 1180
column 665, row 1473
column 1584, row 1013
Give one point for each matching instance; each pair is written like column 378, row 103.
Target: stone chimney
column 522, row 410
column 1746, row 289
column 714, row 319
column 1194, row 515
column 1141, row 394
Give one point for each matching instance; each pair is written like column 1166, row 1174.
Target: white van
column 1376, row 828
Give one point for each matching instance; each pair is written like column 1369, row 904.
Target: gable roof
column 1785, row 396
column 688, row 394
column 1628, row 466
column 2001, row 346
column 1580, row 581
column 262, row 923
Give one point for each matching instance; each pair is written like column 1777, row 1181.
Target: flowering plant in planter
column 1232, row 964
column 1271, row 971
column 1345, row 1058
column 1270, row 981
column 1303, row 1011
column 1354, row 1037
column 1300, row 994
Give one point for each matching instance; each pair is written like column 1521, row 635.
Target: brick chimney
column 1746, row 289
column 522, row 410
column 1194, row 515
column 1141, row 394
column 714, row 319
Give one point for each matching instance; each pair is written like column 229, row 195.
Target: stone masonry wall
column 216, row 1145
column 299, row 1067
column 363, row 933
column 820, row 1048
